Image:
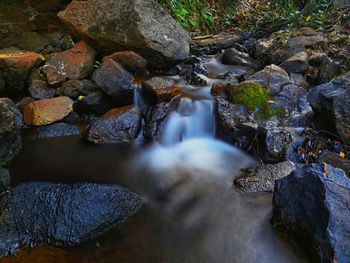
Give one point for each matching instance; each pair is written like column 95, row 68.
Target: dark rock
column 316, row 58
column 76, row 88
column 296, row 64
column 40, row 90
column 234, row 57
column 10, row 139
column 14, row 108
column 213, row 44
column 312, row 206
column 24, row 102
column 291, row 52
column 130, row 61
column 33, row 214
column 141, row 26
column 328, row 69
column 335, row 160
column 115, row 126
column 114, row 80
column 197, row 79
column 262, row 178
column 96, row 102
column 56, row 130
column 308, row 41
column 75, row 63
column 4, row 180
column 71, row 117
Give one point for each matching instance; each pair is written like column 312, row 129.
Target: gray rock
column 291, row 52
column 33, row 214
column 142, row 26
column 312, row 206
column 328, row 69
column 335, row 160
column 234, row 57
column 307, row 41
column 14, row 108
column 262, row 178
column 4, row 179
column 57, row 130
column 296, row 64
column 76, row 88
column 40, row 90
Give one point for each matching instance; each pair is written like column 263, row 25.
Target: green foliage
column 251, row 95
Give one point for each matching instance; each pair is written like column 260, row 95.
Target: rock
column 328, row 69
column 115, row 126
column 22, row 103
column 312, row 206
column 159, row 89
column 213, row 44
column 114, row 80
column 18, row 115
column 96, row 102
column 262, row 178
column 316, row 58
column 43, row 112
column 308, row 41
column 10, row 139
column 234, row 57
column 296, row 64
column 76, row 88
column 40, row 90
column 273, row 77
column 307, row 31
column 141, row 26
column 4, row 180
column 75, row 63
column 15, row 67
column 56, row 130
column 335, row 160
column 291, row 52
column 64, row 215
column 130, row 61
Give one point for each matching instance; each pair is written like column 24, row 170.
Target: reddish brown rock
column 43, row 112
column 74, row 63
column 160, row 89
column 15, row 67
column 307, row 31
column 130, row 60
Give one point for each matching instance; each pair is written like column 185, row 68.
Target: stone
column 316, row 58
column 33, row 214
column 75, row 63
column 213, row 44
column 4, row 180
column 18, row 115
column 234, row 57
column 335, row 160
column 142, row 26
column 262, row 178
column 296, row 64
column 15, row 66
column 23, row 102
column 131, row 61
column 312, row 206
column 56, row 130
column 114, row 80
column 291, row 52
column 159, row 89
column 43, row 112
column 76, row 88
column 10, row 139
column 307, row 31
column 95, row 102
column 328, row 69
column 40, row 90
column 116, row 126
column 308, row 41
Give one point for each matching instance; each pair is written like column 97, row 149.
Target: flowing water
column 192, row 212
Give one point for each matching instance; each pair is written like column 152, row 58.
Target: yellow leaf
column 308, row 18
column 342, row 155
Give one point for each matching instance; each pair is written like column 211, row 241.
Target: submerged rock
column 142, row 26
column 117, row 125
column 56, row 130
column 33, row 214
column 312, row 206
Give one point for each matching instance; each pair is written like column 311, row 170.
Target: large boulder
column 117, row 125
column 10, row 140
column 312, row 206
column 61, row 215
column 140, row 25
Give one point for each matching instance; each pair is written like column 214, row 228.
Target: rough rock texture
column 61, row 215
column 40, row 90
column 18, row 115
column 57, row 130
column 262, row 178
column 131, row 61
column 117, row 125
column 10, row 140
column 291, row 52
column 142, row 26
column 96, row 102
column 114, row 80
column 307, row 41
column 328, row 69
column 76, row 88
column 335, row 160
column 159, row 89
column 23, row 102
column 43, row 112
column 312, row 205
column 15, row 67
column 4, row 179
column 75, row 63
column 296, row 64
column 234, row 57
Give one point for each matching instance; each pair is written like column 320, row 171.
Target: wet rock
column 262, row 178
column 158, row 118
column 40, row 90
column 130, row 61
column 75, row 63
column 213, row 44
column 23, row 102
column 273, row 77
column 64, row 215
column 197, row 79
column 141, row 26
column 15, row 67
column 291, row 52
column 10, row 140
column 234, row 57
column 335, row 160
column 95, row 102
column 76, row 88
column 43, row 112
column 312, row 206
column 114, row 80
column 15, row 110
column 308, row 41
column 328, row 69
column 56, row 130
column 296, row 64
column 117, row 125
column 4, row 180
column 159, row 89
